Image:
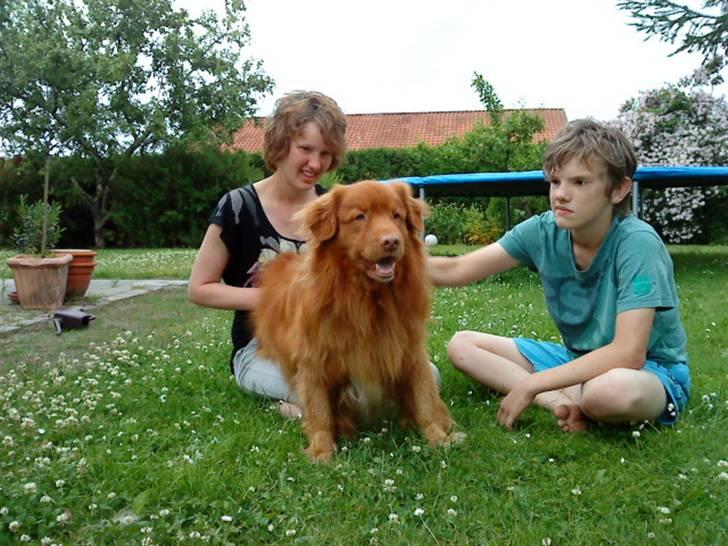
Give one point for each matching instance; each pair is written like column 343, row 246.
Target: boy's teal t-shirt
column 631, row 270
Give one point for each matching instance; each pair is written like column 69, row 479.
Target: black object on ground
column 65, row 319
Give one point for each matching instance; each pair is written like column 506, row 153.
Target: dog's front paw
column 454, row 438
column 321, row 447
column 320, row 455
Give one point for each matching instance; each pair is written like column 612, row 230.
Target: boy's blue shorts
column 675, row 378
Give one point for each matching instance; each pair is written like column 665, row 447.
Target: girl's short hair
column 292, row 111
column 586, row 140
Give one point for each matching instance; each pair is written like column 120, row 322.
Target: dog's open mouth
column 382, row 270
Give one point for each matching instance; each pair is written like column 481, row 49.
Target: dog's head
column 371, row 222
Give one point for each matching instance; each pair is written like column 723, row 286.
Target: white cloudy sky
column 419, row 55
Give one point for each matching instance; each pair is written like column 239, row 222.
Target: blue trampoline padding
column 533, row 182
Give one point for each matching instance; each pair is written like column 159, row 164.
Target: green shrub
column 445, row 221
column 27, row 236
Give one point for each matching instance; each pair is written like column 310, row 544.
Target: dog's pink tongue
column 385, row 268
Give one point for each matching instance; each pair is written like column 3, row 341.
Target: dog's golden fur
column 353, row 311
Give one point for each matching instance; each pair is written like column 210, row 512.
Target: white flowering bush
column 679, row 124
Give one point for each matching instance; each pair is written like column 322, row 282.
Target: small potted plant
column 40, row 277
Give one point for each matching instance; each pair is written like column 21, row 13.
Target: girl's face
column 308, row 158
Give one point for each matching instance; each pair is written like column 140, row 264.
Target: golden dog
column 350, row 314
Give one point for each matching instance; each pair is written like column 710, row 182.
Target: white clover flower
column 666, row 521
column 416, row 449
column 452, row 512
column 723, row 476
column 30, row 488
column 453, row 498
column 290, row 532
column 576, row 491
column 546, row 541
column 393, row 518
column 650, row 535
column 64, row 517
column 663, row 509
column 270, row 527
column 226, row 519
column 419, row 496
column 46, row 499
column 14, row 526
column 8, row 441
column 419, row 512
column 722, row 463
column 46, row 541
column 373, row 530
column 163, row 513
column 60, row 483
column 24, row 538
column 636, row 434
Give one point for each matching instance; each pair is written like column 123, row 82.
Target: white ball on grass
column 430, row 239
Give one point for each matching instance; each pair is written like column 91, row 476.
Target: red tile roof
column 405, row 130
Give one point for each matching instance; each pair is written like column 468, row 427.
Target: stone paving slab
column 100, row 292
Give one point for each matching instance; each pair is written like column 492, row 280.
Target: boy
column 609, row 287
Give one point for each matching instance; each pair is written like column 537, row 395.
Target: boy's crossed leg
column 619, row 396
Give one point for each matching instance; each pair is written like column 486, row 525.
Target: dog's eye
column 397, row 215
column 360, row 217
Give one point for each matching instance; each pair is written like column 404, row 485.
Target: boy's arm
column 470, row 267
column 628, row 349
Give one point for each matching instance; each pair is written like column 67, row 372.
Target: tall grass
column 140, row 436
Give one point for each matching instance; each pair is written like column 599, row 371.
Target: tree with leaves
column 506, row 144
column 703, row 31
column 107, row 79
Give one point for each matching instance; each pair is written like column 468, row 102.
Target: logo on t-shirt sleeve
column 642, row 285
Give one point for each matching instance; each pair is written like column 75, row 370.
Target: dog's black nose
column 390, row 242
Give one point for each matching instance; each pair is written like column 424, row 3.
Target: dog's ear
column 417, row 209
column 318, row 219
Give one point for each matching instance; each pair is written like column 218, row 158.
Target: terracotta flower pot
column 40, row 282
column 80, row 270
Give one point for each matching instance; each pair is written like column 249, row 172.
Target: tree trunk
column 46, row 184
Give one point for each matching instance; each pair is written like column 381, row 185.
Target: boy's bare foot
column 570, row 418
column 291, row 411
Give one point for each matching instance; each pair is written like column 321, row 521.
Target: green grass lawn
column 132, row 431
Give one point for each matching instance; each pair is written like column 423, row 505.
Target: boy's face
column 578, row 196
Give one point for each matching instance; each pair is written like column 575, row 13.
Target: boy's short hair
column 292, row 111
column 586, row 140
